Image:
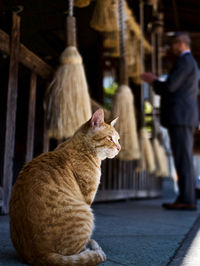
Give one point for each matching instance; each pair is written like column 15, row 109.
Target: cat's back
column 49, row 173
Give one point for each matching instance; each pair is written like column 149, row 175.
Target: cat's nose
column 118, row 148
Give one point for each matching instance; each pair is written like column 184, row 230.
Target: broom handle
column 71, row 25
column 142, row 61
column 123, row 64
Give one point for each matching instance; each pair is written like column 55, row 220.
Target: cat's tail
column 90, row 257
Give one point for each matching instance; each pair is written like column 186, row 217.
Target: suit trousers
column 181, row 138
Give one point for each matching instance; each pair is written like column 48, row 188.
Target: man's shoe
column 179, row 206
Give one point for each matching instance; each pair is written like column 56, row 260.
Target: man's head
column 180, row 42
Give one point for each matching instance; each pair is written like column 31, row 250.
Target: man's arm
column 174, row 81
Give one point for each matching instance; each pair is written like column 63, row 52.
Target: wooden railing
column 119, row 178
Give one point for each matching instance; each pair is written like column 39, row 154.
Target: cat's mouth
column 116, row 151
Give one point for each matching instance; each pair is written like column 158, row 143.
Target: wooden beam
column 31, row 118
column 11, row 113
column 26, row 57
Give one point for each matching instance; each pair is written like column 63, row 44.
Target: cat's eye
column 110, row 138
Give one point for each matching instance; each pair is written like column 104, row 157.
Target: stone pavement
column 141, row 233
column 135, row 232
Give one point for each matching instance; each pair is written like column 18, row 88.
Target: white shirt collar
column 185, row 52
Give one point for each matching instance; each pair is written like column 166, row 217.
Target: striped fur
column 51, row 220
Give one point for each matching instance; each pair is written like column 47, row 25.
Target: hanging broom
column 158, row 159
column 162, row 169
column 165, row 166
column 123, row 105
column 81, row 3
column 147, row 149
column 104, row 17
column 68, row 102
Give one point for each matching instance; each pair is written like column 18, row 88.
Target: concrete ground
column 135, row 232
column 141, row 233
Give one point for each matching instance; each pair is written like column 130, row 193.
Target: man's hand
column 148, row 77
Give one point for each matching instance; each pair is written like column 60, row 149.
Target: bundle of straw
column 123, row 107
column 81, row 3
column 158, row 158
column 148, row 151
column 68, row 102
column 141, row 163
column 105, row 16
column 111, row 39
column 162, row 169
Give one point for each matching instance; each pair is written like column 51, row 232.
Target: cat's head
column 102, row 137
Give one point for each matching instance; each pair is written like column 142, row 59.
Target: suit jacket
column 179, row 105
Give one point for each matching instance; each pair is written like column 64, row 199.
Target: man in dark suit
column 179, row 113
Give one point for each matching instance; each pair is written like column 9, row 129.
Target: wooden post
column 11, row 113
column 31, row 118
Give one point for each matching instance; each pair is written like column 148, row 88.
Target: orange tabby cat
column 51, row 221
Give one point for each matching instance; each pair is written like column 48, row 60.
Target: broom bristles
column 148, row 151
column 165, row 168
column 156, row 147
column 69, row 103
column 123, row 107
column 105, row 15
column 162, row 169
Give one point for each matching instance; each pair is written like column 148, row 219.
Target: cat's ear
column 97, row 118
column 113, row 122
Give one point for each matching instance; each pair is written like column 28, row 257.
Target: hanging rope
column 122, row 27
column 71, row 4
column 71, row 25
column 69, row 101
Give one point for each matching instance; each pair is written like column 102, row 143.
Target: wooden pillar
column 31, row 118
column 11, row 113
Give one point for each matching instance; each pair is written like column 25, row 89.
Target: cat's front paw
column 93, row 245
column 101, row 254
